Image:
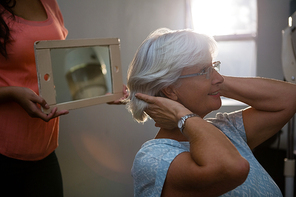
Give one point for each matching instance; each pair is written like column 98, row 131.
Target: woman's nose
column 217, row 78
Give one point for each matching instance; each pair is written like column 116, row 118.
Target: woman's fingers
column 145, row 97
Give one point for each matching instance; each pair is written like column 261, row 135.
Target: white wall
column 98, row 144
column 272, row 18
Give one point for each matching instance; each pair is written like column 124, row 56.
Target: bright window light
column 233, row 23
column 224, row 17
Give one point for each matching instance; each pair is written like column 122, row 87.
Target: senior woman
column 172, row 78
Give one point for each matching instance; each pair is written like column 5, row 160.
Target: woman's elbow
column 239, row 172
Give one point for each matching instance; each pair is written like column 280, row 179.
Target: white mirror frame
column 44, row 67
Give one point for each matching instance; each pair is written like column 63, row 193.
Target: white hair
column 159, row 61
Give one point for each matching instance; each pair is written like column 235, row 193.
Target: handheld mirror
column 78, row 73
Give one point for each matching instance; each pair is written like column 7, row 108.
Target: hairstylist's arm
column 29, row 101
column 272, row 103
column 121, row 100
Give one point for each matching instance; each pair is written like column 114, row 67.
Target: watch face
column 180, row 123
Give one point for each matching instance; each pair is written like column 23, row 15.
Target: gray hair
column 159, row 62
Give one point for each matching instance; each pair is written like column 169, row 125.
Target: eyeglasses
column 206, row 71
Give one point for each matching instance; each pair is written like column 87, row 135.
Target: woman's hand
column 30, row 102
column 165, row 112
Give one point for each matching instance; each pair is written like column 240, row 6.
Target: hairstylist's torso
column 23, row 137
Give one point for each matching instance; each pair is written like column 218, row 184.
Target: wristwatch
column 181, row 122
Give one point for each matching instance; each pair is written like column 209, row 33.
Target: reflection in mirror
column 78, row 73
column 81, row 73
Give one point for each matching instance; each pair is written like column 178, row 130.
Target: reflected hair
column 159, row 62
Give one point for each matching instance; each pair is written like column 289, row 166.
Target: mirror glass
column 81, row 73
column 78, row 73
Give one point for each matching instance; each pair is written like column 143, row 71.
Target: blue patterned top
column 153, row 160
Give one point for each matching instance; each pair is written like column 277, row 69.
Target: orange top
column 23, row 137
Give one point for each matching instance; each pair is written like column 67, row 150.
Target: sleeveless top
column 155, row 156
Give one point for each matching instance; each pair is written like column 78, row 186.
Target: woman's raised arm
column 272, row 104
column 213, row 166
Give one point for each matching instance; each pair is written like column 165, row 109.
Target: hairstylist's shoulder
column 54, row 6
column 51, row 3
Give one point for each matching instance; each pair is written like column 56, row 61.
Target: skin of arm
column 29, row 101
column 212, row 167
column 272, row 104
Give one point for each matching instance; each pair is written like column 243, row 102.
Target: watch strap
column 181, row 122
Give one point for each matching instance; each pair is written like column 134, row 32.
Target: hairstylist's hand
column 29, row 100
column 165, row 112
column 122, row 99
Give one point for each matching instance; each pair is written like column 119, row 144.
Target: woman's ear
column 170, row 92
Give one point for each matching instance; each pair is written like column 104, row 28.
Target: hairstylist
column 28, row 137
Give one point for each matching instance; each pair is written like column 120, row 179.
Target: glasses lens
column 216, row 66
